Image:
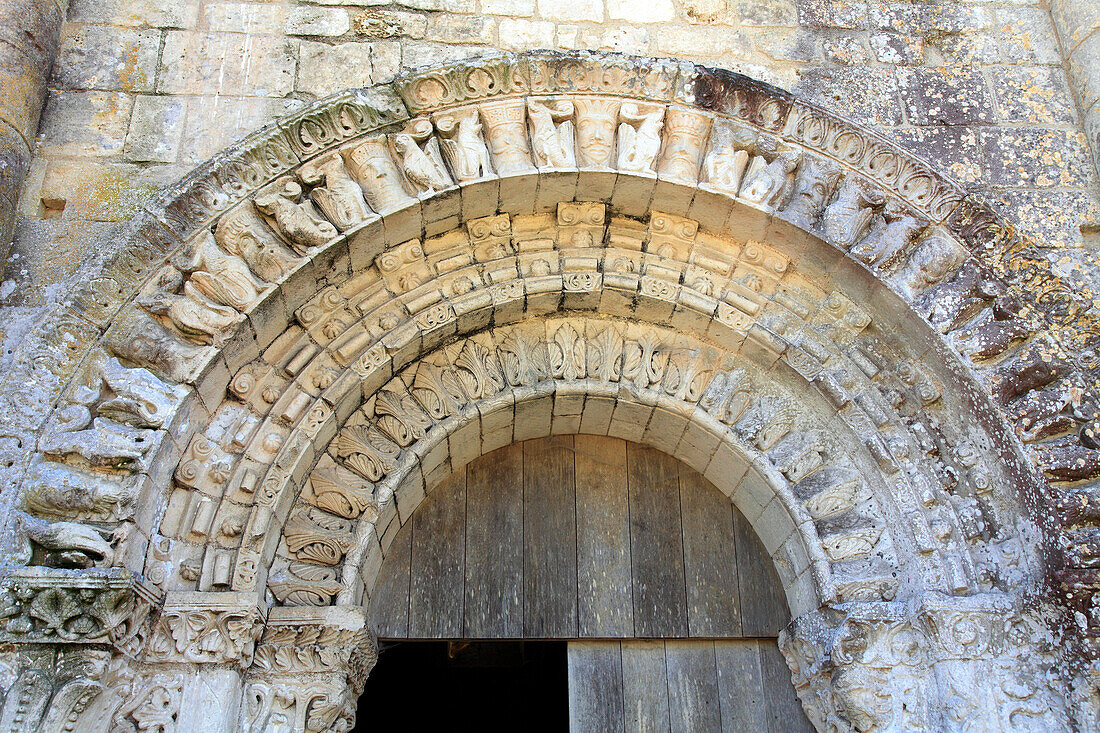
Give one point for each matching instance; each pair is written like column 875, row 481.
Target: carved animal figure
column 469, row 156
column 65, row 544
column 244, row 234
column 221, row 277
column 773, row 186
column 951, row 304
column 336, row 193
column 551, row 140
column 420, row 169
column 847, row 219
column 638, row 147
column 298, row 222
column 195, row 318
column 886, row 244
column 140, row 398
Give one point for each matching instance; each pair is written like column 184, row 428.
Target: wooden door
column 682, row 686
column 576, row 537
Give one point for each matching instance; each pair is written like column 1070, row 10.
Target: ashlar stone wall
column 144, row 90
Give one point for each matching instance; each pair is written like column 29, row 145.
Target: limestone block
column 656, row 11
column 328, row 68
column 461, row 29
column 243, row 17
column 314, row 21
column 571, row 10
column 382, row 24
column 105, row 57
column 226, row 63
column 156, row 128
column 65, row 126
column 511, row 8
column 24, row 82
column 135, row 13
column 517, row 34
column 944, row 96
column 1037, row 157
column 215, row 121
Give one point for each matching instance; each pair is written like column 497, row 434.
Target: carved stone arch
column 224, row 419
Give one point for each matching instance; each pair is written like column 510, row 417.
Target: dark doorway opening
column 492, row 685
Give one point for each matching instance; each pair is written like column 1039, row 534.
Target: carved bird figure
column 419, row 168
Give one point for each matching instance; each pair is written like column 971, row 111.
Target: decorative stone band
column 310, row 668
column 49, row 606
column 333, row 273
column 208, row 628
column 947, row 664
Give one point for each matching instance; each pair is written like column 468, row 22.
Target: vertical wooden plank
column 595, row 687
column 692, row 687
column 656, row 544
column 763, row 606
column 605, row 607
column 436, row 588
column 389, row 604
column 645, row 687
column 785, row 713
column 494, row 545
column 710, row 558
column 740, row 686
column 549, row 539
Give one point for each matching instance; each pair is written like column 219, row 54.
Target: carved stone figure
column 685, row 141
column 335, row 192
column 298, row 221
column 847, row 219
column 639, row 138
column 464, row 146
column 596, row 118
column 885, row 245
column 244, row 234
column 552, row 133
column 733, row 153
column 506, row 130
column 816, row 181
column 65, row 544
column 929, row 265
column 194, row 316
column 772, row 187
column 370, row 163
column 220, row 277
column 951, row 304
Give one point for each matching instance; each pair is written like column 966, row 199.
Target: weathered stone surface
column 313, row 21
column 1036, row 157
column 571, row 10
column 1034, row 96
column 65, row 126
column 328, row 68
column 868, row 95
column 103, row 57
column 156, row 127
column 152, row 13
column 225, row 63
column 382, row 24
column 944, row 96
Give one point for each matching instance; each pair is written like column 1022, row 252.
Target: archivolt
column 294, row 343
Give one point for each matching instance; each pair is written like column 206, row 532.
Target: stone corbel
column 944, row 664
column 309, row 669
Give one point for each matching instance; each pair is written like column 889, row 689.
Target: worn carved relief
column 300, row 413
